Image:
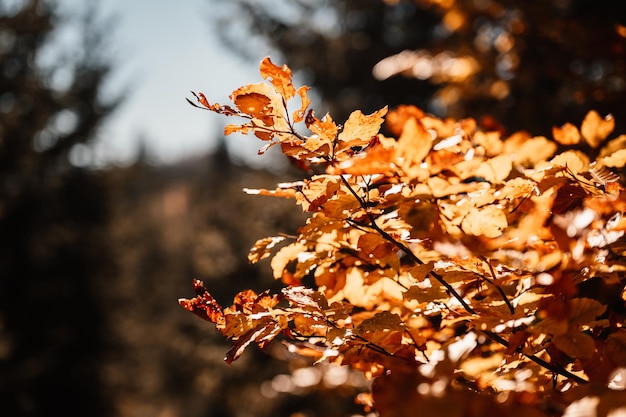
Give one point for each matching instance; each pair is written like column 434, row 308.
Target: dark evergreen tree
column 51, row 214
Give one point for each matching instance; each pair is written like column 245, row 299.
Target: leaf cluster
column 449, row 261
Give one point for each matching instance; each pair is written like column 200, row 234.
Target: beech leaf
column 595, row 129
column 488, row 221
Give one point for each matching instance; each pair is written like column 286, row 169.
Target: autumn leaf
column 575, row 344
column 595, row 129
column 262, row 248
column 444, row 233
column 488, row 221
column 203, row 305
column 299, row 115
column 414, row 143
column 280, row 77
column 359, row 129
column 567, row 134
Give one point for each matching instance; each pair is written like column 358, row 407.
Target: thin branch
column 404, row 248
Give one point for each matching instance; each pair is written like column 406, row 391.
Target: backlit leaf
column 489, row 221
column 567, row 134
column 262, row 248
column 595, row 129
column 280, row 77
column 359, row 129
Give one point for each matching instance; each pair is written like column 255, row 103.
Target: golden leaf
column 324, row 128
column 529, row 151
column 613, row 146
column 616, row 160
column 567, row 134
column 262, row 248
column 317, row 191
column 284, row 256
column 495, row 170
column 595, row 129
column 575, row 161
column 414, row 143
column 359, row 129
column 488, row 221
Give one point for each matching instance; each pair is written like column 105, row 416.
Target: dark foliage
column 51, row 215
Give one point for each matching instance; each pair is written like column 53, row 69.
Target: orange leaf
column 203, row 305
column 299, row 114
column 595, row 129
column 254, row 104
column 414, row 143
column 359, row 129
column 280, row 77
column 567, row 134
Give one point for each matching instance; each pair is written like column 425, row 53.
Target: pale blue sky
column 164, row 49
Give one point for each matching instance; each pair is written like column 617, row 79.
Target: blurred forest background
column 92, row 261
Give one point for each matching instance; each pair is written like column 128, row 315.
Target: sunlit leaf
column 262, row 248
column 280, row 77
column 359, row 129
column 567, row 134
column 489, row 221
column 595, row 129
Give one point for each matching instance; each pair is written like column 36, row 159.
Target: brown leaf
column 575, row 344
column 262, row 334
column 584, row 310
column 203, row 305
column 381, row 322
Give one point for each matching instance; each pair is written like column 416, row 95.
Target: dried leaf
column 414, row 143
column 616, row 160
column 280, row 77
column 567, row 134
column 488, row 221
column 203, row 305
column 359, row 129
column 495, row 170
column 299, row 114
column 595, row 129
column 575, row 344
column 529, row 151
column 262, row 248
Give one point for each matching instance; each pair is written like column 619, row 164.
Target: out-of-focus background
column 115, row 193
